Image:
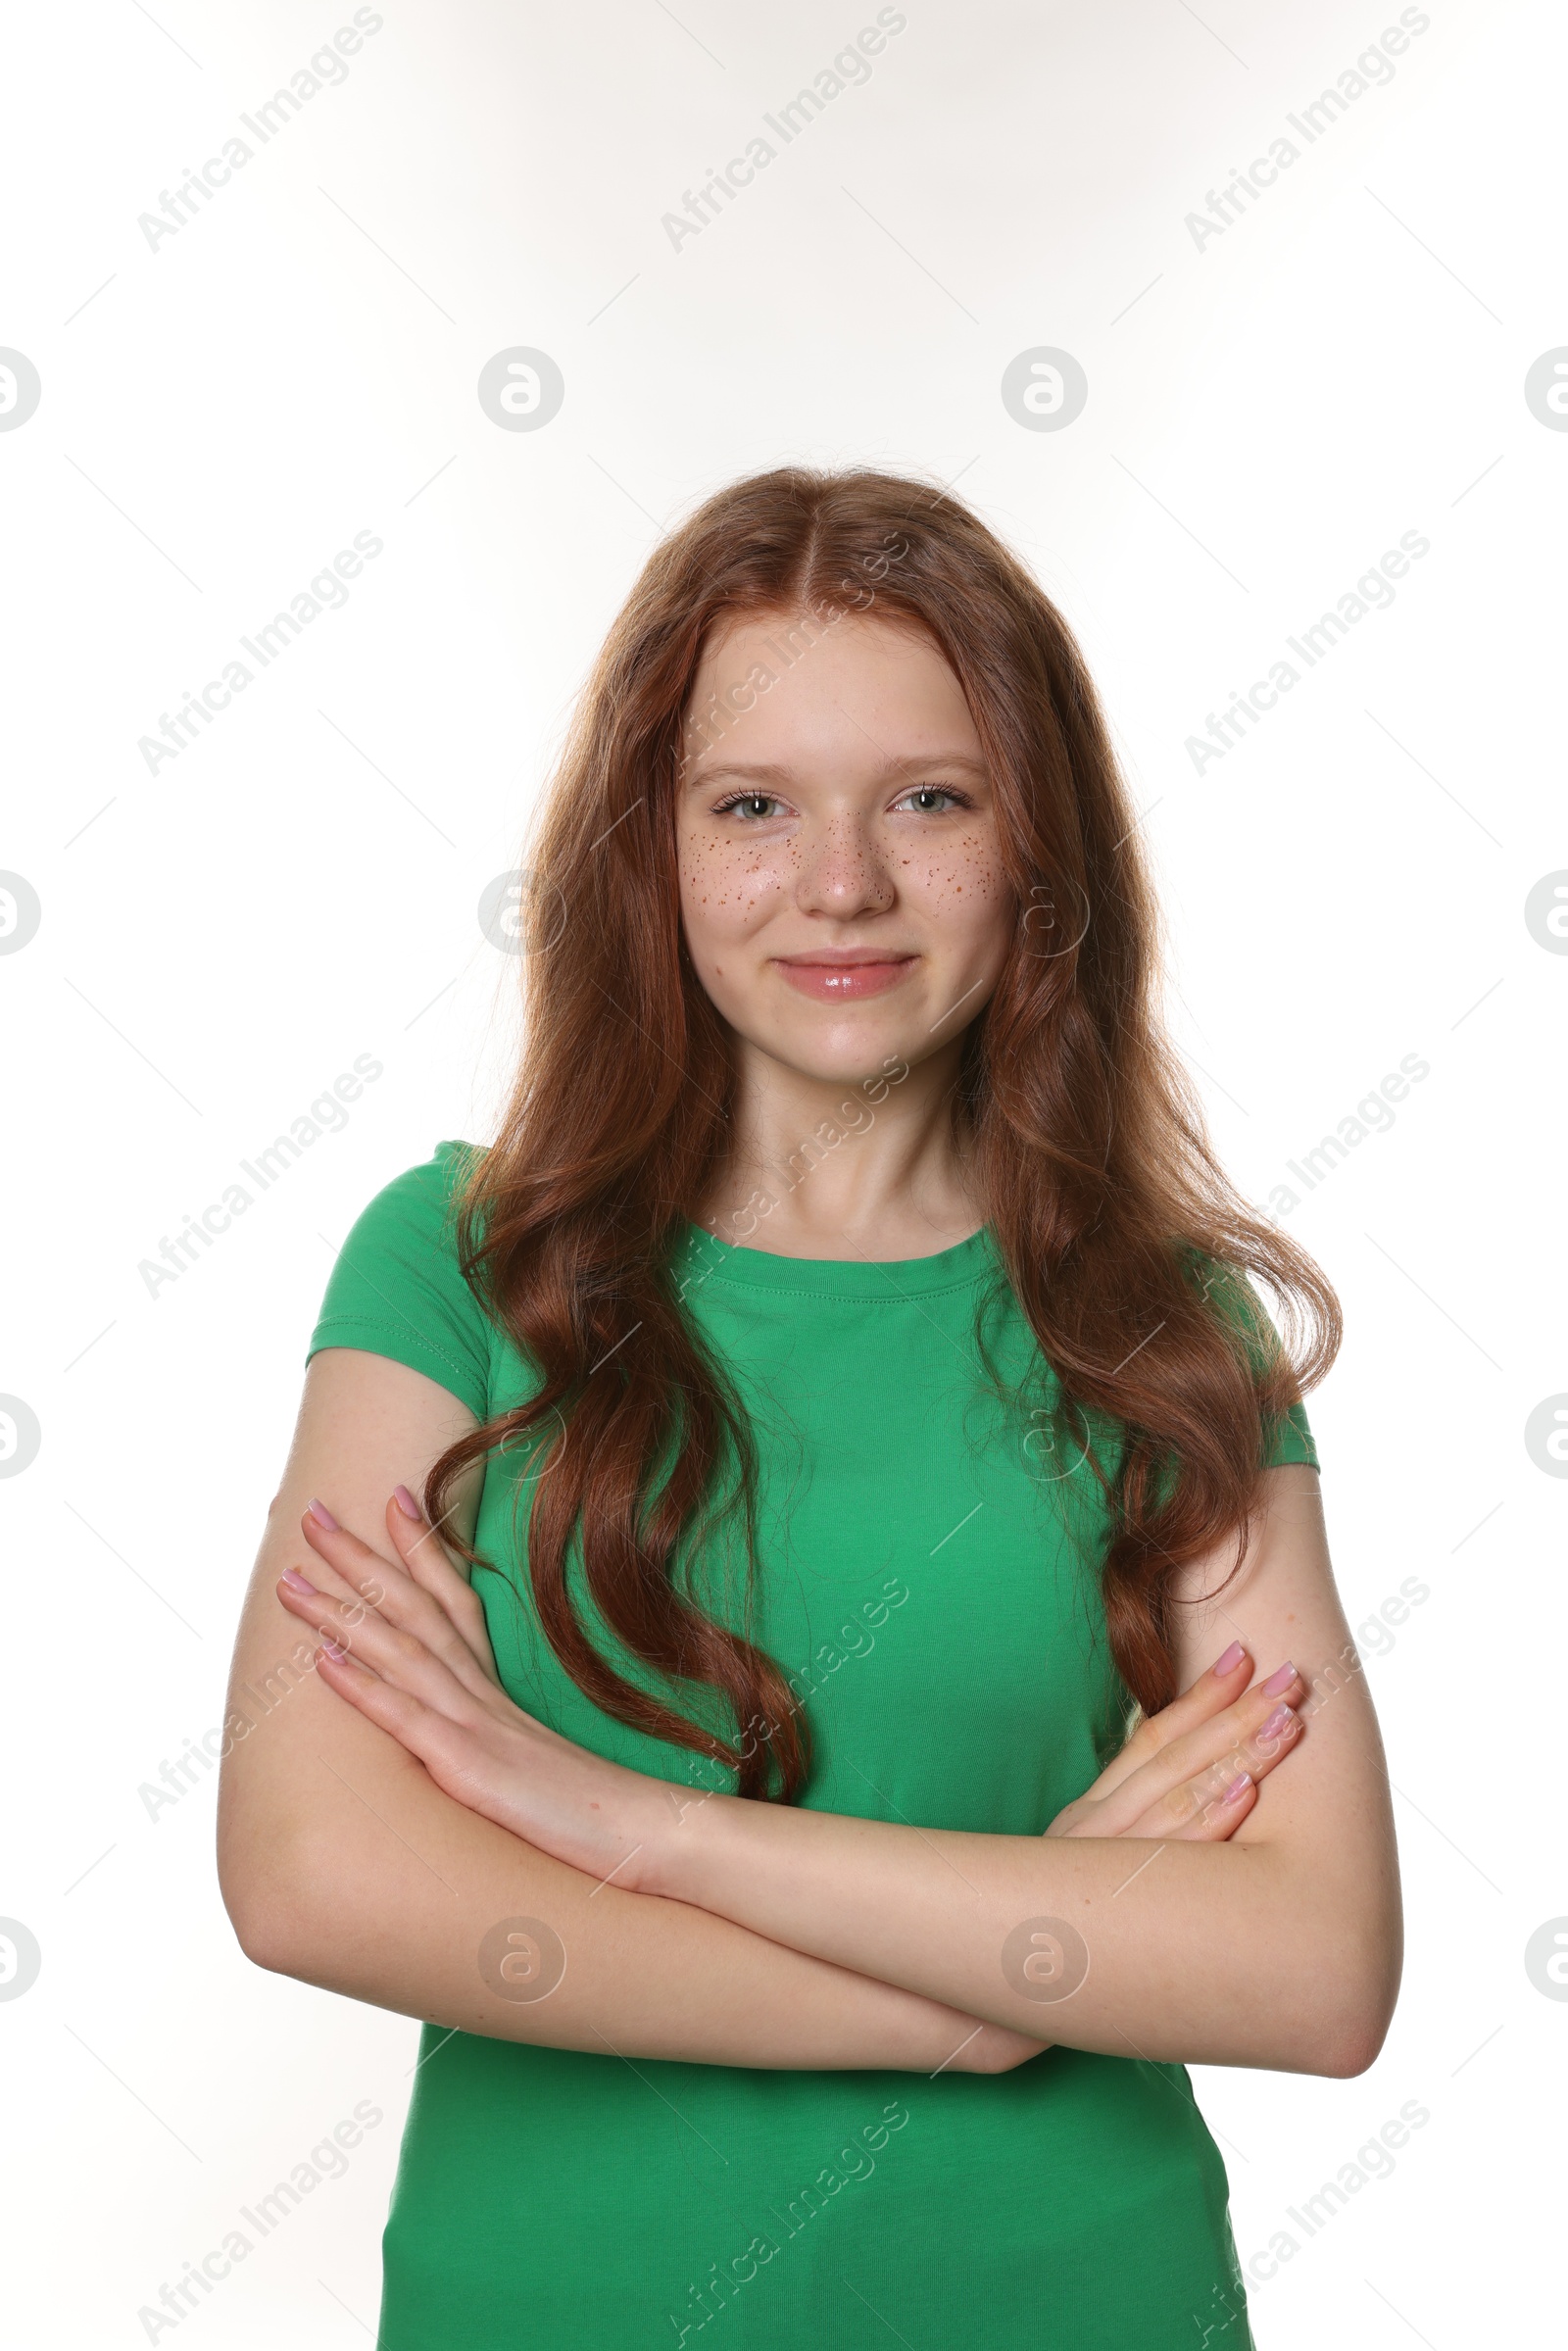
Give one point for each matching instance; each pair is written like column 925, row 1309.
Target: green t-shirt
column 928, row 1577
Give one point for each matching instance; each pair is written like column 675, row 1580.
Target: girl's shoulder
column 398, row 1287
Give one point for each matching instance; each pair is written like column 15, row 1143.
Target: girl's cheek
column 954, row 882
column 728, row 881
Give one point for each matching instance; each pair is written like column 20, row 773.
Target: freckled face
column 842, row 894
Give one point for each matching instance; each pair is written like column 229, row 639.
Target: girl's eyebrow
column 769, row 771
column 758, row 772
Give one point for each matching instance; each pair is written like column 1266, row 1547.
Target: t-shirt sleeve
column 397, row 1288
column 1288, row 1437
column 1292, row 1440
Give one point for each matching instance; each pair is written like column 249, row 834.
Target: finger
column 456, row 1753
column 352, row 1566
column 431, row 1566
column 406, row 1717
column 1252, row 1736
column 353, row 1594
column 1208, row 1695
column 1214, row 1803
column 344, row 1571
column 397, row 1598
column 1222, row 1815
column 399, row 1656
column 1267, row 1746
column 1228, row 1736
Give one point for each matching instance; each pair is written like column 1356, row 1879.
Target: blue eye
column 928, row 794
column 754, row 805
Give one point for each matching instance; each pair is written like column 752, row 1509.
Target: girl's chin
column 849, row 1052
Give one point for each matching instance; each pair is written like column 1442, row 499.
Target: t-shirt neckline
column 705, row 1257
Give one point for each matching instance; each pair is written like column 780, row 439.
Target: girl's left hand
column 400, row 1644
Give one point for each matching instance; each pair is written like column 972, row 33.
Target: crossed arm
column 1178, row 1911
column 342, row 1862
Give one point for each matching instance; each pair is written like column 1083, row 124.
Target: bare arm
column 1279, row 1947
column 1159, row 1917
column 344, row 1864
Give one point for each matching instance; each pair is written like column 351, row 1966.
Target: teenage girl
column 808, row 1643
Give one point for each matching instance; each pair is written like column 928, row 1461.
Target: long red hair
column 1086, row 1142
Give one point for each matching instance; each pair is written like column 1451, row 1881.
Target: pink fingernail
column 296, row 1582
column 406, row 1502
column 323, row 1517
column 1277, row 1722
column 1231, row 1659
column 332, row 1649
column 1237, row 1789
column 1279, row 1681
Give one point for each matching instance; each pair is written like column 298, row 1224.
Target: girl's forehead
column 771, row 689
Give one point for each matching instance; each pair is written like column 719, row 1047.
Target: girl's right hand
column 1192, row 1771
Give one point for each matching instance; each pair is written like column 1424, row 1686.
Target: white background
column 1266, row 415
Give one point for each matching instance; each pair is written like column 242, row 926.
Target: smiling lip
column 835, row 975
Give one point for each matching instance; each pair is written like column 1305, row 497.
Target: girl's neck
column 859, row 1168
